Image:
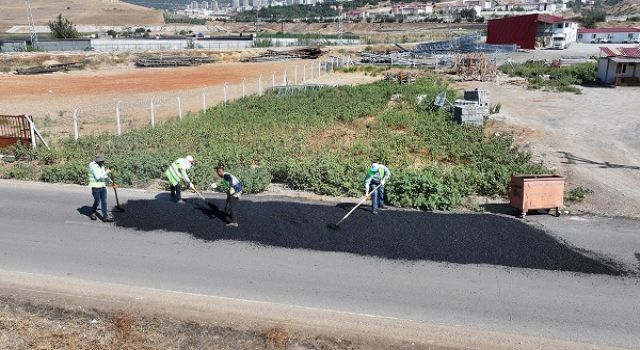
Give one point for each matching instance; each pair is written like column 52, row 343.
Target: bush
column 578, row 194
column 21, row 171
column 320, row 141
column 560, row 79
column 71, row 172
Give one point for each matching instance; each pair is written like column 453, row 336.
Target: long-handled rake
column 118, row 208
column 337, row 225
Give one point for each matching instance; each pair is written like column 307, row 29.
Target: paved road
column 42, row 231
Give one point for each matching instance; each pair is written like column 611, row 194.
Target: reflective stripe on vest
column 93, row 182
column 173, row 173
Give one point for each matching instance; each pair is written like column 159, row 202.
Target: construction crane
column 32, row 25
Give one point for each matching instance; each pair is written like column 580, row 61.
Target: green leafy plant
column 578, row 194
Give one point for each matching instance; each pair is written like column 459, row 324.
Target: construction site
column 442, row 193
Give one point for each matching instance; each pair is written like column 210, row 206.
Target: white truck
column 559, row 41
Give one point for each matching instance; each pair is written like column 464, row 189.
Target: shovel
column 337, row 226
column 211, row 206
column 118, row 208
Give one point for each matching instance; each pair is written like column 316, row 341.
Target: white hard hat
column 190, row 159
column 374, row 166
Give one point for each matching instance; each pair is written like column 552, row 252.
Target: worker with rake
column 98, row 179
column 374, row 181
column 176, row 172
column 234, row 191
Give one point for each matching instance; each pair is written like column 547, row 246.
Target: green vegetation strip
column 321, row 141
column 541, row 75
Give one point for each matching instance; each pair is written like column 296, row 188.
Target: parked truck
column 559, row 41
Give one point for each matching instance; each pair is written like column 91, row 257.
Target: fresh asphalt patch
column 394, row 234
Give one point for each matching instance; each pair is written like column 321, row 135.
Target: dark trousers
column 230, row 209
column 176, row 192
column 100, row 197
column 377, row 197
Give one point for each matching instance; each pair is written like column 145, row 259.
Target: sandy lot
column 591, row 138
column 52, row 99
column 98, row 12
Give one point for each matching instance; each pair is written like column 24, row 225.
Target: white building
column 608, row 35
column 619, row 66
column 235, row 4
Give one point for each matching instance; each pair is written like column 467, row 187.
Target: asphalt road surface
column 567, row 278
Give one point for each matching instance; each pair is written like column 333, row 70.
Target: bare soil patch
column 590, row 138
column 95, row 12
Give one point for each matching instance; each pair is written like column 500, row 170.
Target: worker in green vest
column 374, row 181
column 176, row 172
column 234, row 191
column 98, row 177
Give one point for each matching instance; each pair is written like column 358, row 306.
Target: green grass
column 320, row 141
column 540, row 75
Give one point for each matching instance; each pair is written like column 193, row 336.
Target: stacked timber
column 172, row 61
column 309, row 53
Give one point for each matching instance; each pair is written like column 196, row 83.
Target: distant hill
column 98, row 12
column 623, row 7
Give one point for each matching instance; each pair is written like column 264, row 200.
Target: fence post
column 304, row 74
column 153, row 112
column 204, row 100
column 332, row 60
column 33, row 132
column 118, row 118
column 284, row 78
column 75, row 123
column 179, row 107
column 273, row 80
column 319, row 68
column 295, row 75
column 243, row 88
column 224, row 90
column 260, row 85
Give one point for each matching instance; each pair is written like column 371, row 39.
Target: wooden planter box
column 532, row 192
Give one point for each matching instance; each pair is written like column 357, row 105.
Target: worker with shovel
column 374, row 181
column 178, row 171
column 234, row 190
column 98, row 178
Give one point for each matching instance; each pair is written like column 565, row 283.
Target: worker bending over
column 376, row 176
column 233, row 196
column 178, row 171
column 98, row 179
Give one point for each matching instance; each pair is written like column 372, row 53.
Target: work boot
column 93, row 216
column 108, row 219
column 375, row 212
column 231, row 224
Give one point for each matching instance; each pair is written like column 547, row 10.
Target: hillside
column 99, row 12
column 625, row 7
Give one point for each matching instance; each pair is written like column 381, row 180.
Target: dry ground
column 97, row 12
column 591, row 138
column 53, row 98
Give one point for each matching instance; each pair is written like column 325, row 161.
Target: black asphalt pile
column 402, row 235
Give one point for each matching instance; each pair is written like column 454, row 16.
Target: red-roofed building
column 619, row 66
column 609, row 35
column 531, row 31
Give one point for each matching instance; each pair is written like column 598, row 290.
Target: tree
column 62, row 28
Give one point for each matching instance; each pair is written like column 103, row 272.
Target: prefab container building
column 530, row 31
column 608, row 35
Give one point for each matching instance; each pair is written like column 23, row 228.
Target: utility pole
column 339, row 22
column 32, row 26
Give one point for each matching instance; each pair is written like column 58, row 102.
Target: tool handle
column 357, row 205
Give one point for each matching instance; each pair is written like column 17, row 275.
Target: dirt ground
column 590, row 138
column 97, row 12
column 52, row 98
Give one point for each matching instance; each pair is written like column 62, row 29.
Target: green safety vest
column 93, row 182
column 372, row 174
column 174, row 172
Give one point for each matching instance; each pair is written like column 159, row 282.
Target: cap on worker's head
column 190, row 159
column 100, row 158
column 374, row 166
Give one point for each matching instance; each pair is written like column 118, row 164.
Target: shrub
column 560, row 79
column 320, row 141
column 71, row 172
column 21, row 171
column 578, row 194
